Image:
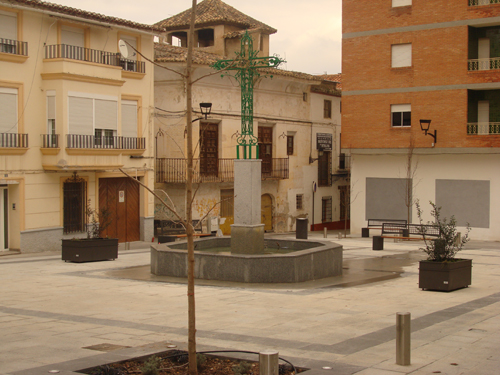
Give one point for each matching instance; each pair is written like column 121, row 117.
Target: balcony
column 50, row 140
column 64, row 51
column 13, row 143
column 13, row 50
column 170, row 170
column 482, row 2
column 78, row 141
column 484, row 64
column 483, row 128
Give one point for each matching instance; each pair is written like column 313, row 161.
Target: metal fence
column 13, row 140
column 15, row 47
column 66, row 51
column 483, row 2
column 486, row 128
column 173, row 170
column 114, row 142
column 50, row 140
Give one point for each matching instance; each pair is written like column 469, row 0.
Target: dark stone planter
column 445, row 276
column 89, row 250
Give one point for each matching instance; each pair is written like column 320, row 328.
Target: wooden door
column 209, row 151
column 266, row 149
column 226, row 211
column 267, row 212
column 121, row 197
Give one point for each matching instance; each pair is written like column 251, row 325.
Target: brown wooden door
column 121, row 197
column 209, row 151
column 266, row 216
column 266, row 149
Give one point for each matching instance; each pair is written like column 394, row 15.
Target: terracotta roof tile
column 334, row 78
column 65, row 10
column 210, row 12
column 168, row 53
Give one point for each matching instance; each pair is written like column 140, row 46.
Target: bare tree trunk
column 189, row 199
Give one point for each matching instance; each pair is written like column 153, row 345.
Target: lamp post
column 424, row 125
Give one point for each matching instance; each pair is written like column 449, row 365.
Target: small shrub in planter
column 441, row 270
column 94, row 247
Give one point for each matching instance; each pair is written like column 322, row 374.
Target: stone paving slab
column 51, row 310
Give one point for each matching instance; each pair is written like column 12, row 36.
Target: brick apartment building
column 404, row 61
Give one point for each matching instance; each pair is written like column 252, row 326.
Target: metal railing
column 13, row 140
column 173, row 170
column 15, row 47
column 50, row 140
column 66, row 51
column 483, row 128
column 484, row 64
column 483, row 2
column 114, row 142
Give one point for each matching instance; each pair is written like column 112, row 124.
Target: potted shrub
column 94, row 247
column 442, row 271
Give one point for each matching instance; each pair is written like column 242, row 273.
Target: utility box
column 301, row 228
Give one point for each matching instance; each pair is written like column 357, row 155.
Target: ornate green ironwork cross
column 246, row 65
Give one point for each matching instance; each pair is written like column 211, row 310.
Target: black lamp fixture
column 205, row 108
column 424, row 125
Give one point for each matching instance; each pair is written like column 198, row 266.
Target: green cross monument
column 246, row 65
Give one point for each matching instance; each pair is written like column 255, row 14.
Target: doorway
column 121, row 197
column 267, row 212
column 4, row 218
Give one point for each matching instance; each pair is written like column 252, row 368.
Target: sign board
column 121, row 196
column 324, row 142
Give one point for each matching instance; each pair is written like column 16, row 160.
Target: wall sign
column 121, row 196
column 324, row 142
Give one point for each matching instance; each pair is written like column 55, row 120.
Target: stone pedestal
column 247, row 232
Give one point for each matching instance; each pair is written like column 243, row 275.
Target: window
column 8, row 117
column 51, row 120
column 326, row 209
column 8, row 32
column 299, row 201
column 327, row 109
column 401, row 115
column 325, row 169
column 400, row 3
column 97, row 117
column 205, row 37
column 129, row 118
column 74, row 204
column 289, row 144
column 304, row 96
column 129, row 62
column 401, row 55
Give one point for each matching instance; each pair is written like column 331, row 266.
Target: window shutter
column 8, row 110
column 401, row 55
column 106, row 114
column 51, row 107
column 129, row 118
column 8, row 25
column 81, row 116
column 401, row 108
column 72, row 36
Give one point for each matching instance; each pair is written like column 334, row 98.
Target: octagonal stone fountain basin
column 303, row 261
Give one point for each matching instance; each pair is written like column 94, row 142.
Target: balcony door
column 266, row 149
column 483, row 117
column 484, row 53
column 209, row 149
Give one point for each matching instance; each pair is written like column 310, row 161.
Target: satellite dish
column 122, row 46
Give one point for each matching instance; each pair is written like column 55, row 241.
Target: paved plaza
column 54, row 315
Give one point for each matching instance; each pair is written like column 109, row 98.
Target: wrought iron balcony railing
column 173, row 170
column 114, row 142
column 483, row 128
column 484, row 64
column 483, row 2
column 50, row 140
column 14, row 140
column 14, row 47
column 95, row 56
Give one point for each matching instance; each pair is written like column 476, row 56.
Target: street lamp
column 205, row 108
column 424, row 125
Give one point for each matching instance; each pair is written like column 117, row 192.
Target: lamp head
column 424, row 125
column 205, row 108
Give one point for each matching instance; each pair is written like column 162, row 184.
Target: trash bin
column 301, row 228
column 365, row 232
column 378, row 243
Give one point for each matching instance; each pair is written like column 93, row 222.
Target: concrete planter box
column 445, row 276
column 89, row 249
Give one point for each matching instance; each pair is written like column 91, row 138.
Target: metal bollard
column 403, row 342
column 268, row 362
column 325, row 232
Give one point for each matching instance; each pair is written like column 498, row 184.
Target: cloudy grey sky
column 308, row 37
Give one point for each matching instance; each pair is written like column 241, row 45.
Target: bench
column 378, row 223
column 404, row 232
